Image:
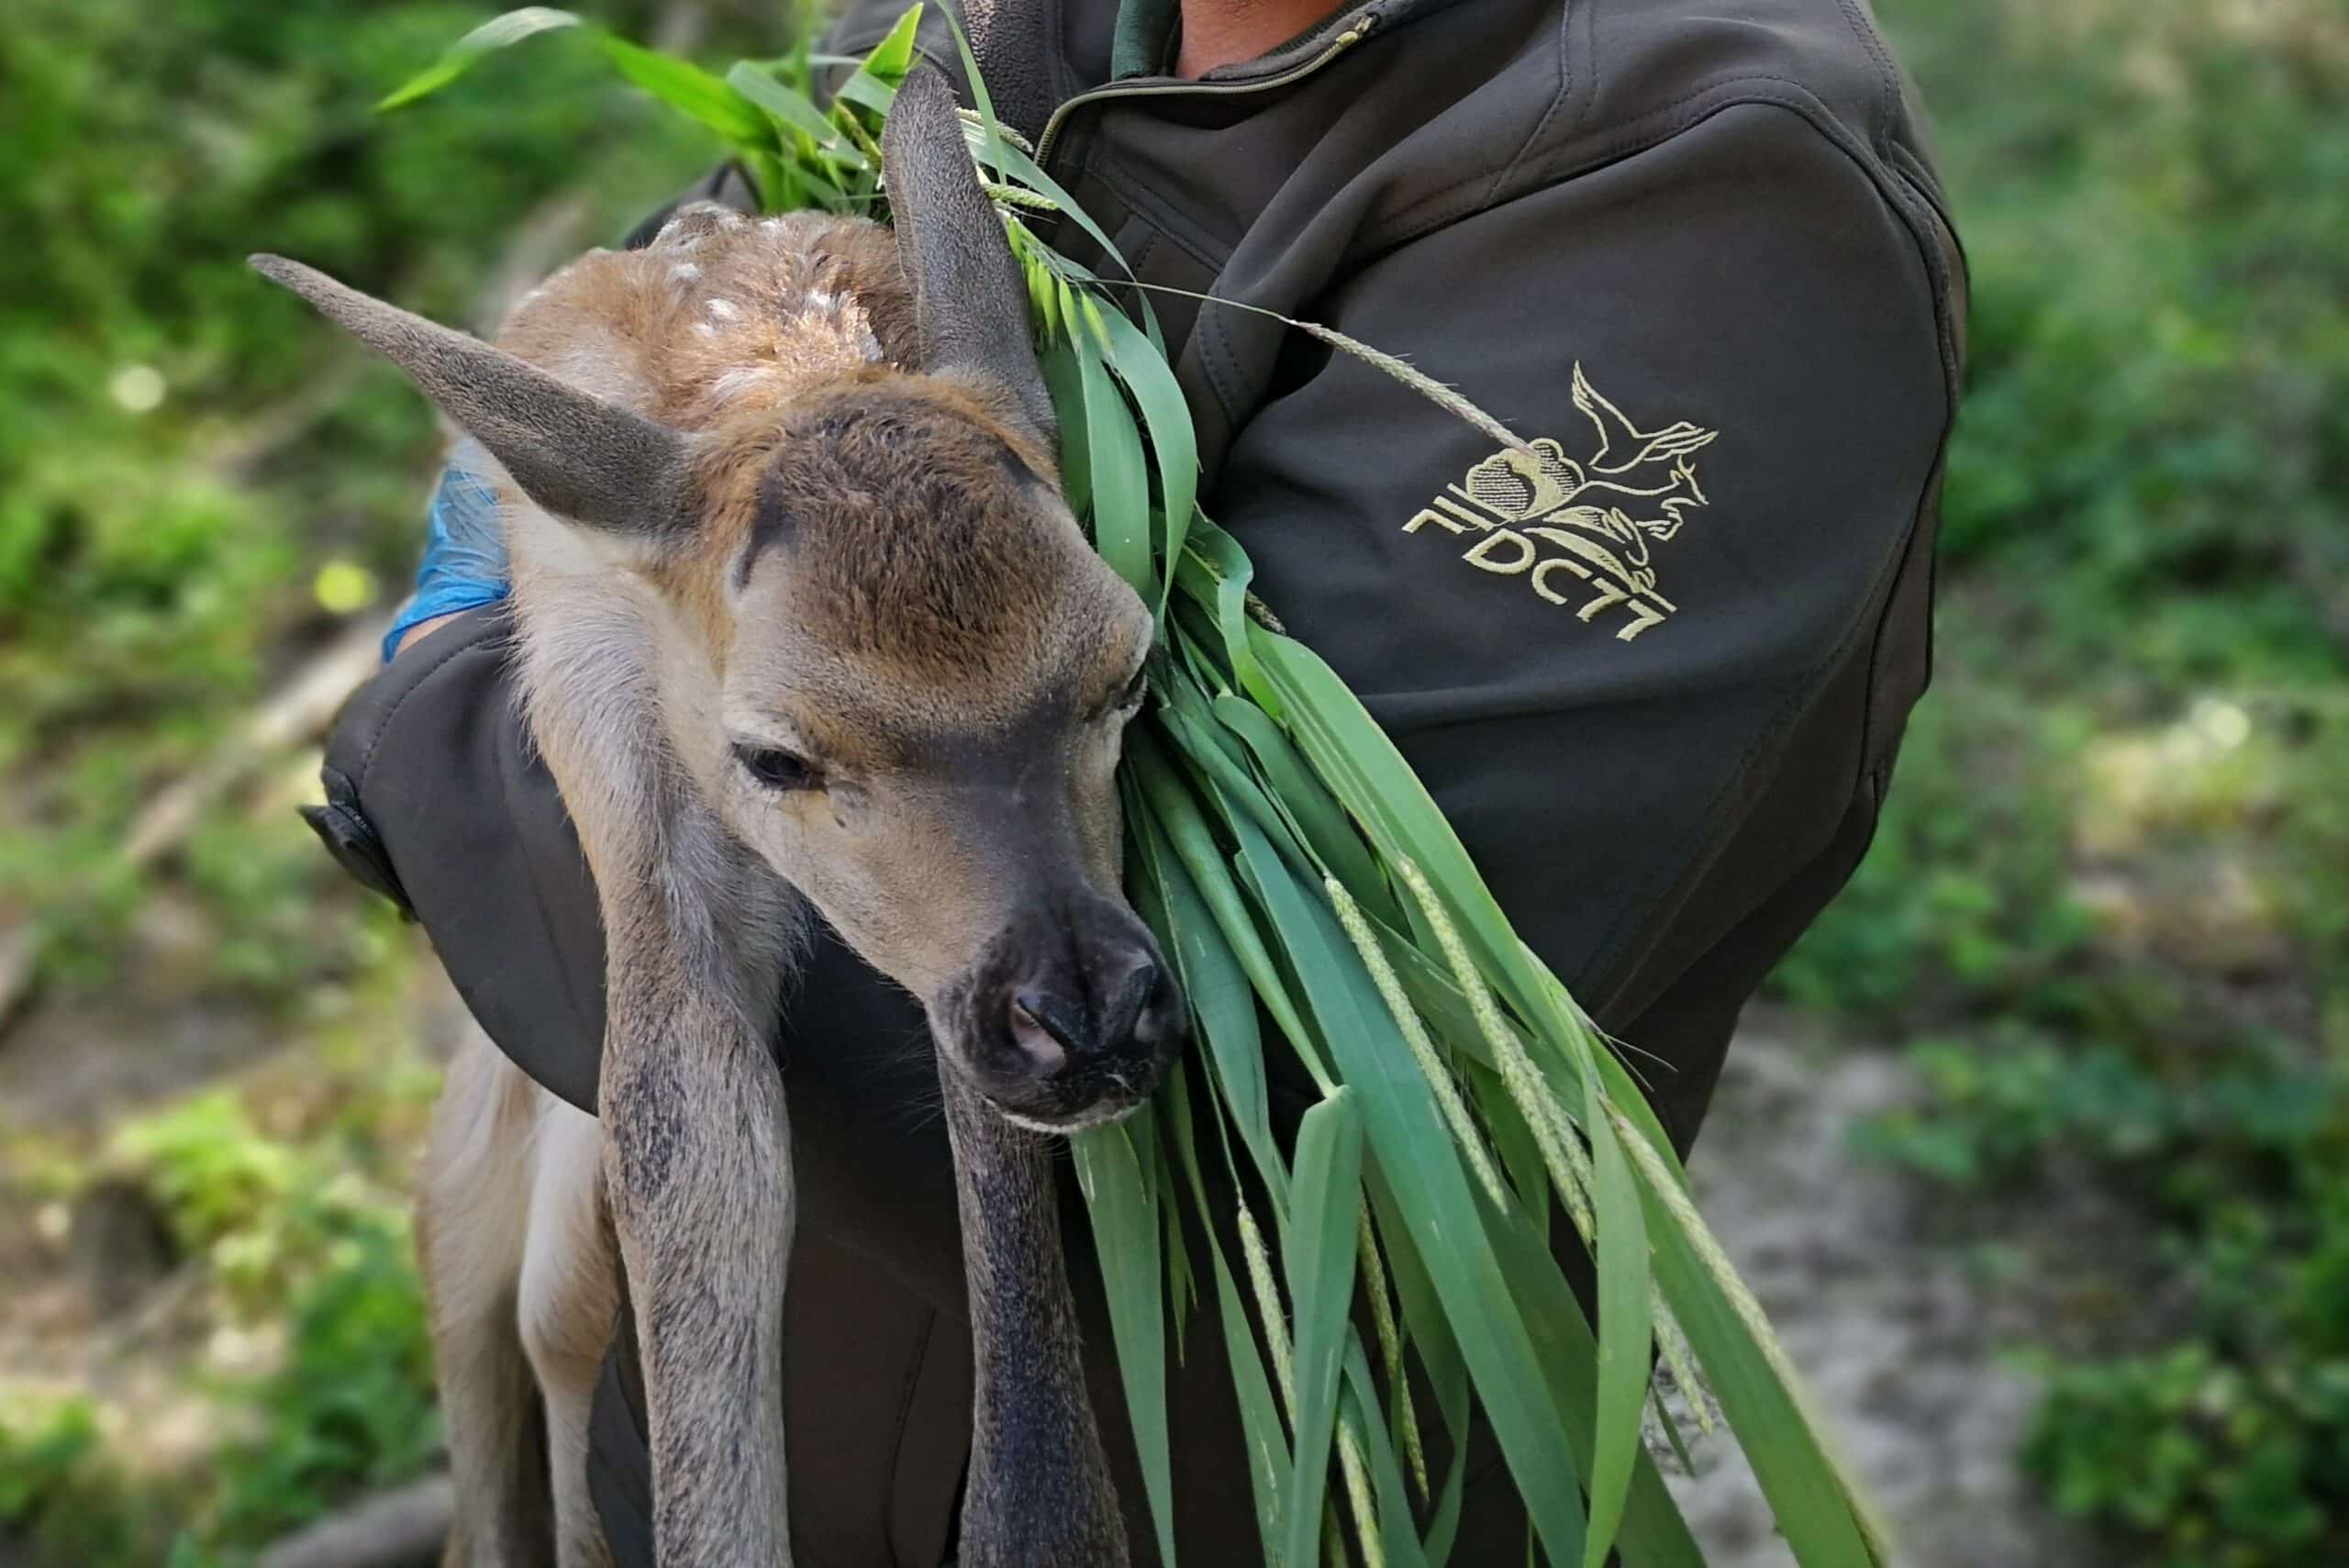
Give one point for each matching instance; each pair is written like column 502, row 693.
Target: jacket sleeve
column 1639, row 666
column 436, row 798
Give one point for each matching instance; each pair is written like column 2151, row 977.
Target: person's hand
column 465, row 564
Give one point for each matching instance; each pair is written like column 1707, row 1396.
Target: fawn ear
column 969, row 302
column 577, row 456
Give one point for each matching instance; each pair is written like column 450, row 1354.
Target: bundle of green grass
column 1297, row 872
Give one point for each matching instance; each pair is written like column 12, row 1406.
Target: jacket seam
column 1886, row 75
column 1712, row 827
column 1168, row 221
column 1625, row 139
column 1567, row 11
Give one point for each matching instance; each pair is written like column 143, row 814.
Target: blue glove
column 464, row 561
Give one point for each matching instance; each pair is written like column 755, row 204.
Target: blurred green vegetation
column 195, row 486
column 199, row 493
column 2108, row 913
column 2109, row 902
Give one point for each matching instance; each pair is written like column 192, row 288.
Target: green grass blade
column 1565, row 1356
column 894, row 56
column 1513, row 1140
column 991, row 142
column 1193, row 844
column 1259, row 1419
column 1625, row 1315
column 1335, row 842
column 1819, row 1508
column 1220, row 1000
column 498, row 32
column 792, row 111
column 1321, row 1259
column 1008, row 163
column 1439, row 1355
column 1217, row 572
column 689, row 88
column 1411, row 1142
column 1209, row 749
column 1065, row 382
column 1120, row 1196
column 1174, row 451
column 1121, row 476
column 1398, row 1536
column 867, row 93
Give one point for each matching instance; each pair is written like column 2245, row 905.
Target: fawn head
column 911, row 674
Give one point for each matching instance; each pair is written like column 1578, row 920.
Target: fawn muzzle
column 1071, row 1015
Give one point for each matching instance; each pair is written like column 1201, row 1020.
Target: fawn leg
column 697, row 1168
column 472, row 1201
column 569, row 1300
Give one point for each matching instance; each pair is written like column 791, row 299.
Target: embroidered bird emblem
column 1535, row 480
column 1638, row 448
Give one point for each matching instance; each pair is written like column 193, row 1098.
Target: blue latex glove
column 465, row 564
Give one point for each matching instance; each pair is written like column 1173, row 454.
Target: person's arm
column 1649, row 672
column 464, row 565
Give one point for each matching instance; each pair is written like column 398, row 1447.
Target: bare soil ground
column 1900, row 1337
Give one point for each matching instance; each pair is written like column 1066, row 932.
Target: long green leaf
column 1065, row 382
column 1625, row 1314
column 1120, row 1194
column 1186, row 830
column 498, row 32
column 1335, row 842
column 1817, row 1508
column 1399, row 1538
column 793, row 111
column 1173, row 449
column 1566, row 1355
column 1120, row 479
column 1408, row 1140
column 1221, row 1002
column 1260, row 1420
column 690, row 89
column 1327, row 1172
column 1431, row 1338
column 889, row 59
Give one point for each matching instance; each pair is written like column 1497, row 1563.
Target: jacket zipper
column 1356, row 29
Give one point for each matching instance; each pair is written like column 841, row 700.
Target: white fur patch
column 1085, row 1121
column 722, row 310
column 684, row 272
column 740, row 379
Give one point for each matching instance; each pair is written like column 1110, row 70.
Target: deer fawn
column 803, row 617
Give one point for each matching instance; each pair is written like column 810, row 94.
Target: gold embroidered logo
column 1579, row 528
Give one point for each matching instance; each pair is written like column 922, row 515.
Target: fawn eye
column 777, row 768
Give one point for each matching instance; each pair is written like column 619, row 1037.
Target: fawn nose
column 1078, row 1018
column 1054, row 1031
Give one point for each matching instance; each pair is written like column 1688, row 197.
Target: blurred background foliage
column 2105, row 925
